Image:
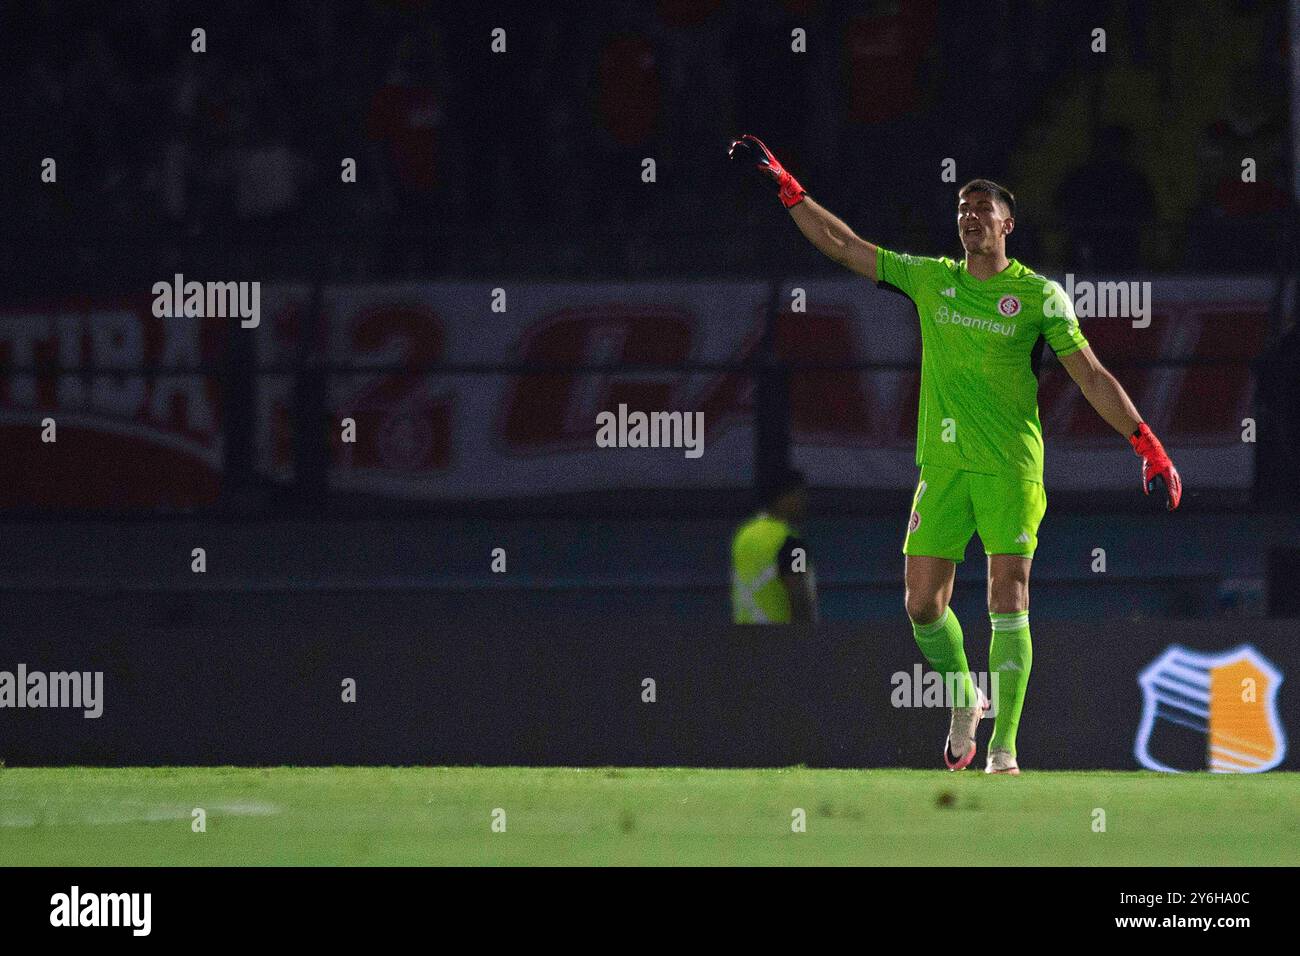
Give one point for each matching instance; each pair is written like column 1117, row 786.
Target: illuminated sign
column 1210, row 711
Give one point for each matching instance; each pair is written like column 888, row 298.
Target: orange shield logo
column 1210, row 711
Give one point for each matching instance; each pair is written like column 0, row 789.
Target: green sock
column 941, row 644
column 1010, row 657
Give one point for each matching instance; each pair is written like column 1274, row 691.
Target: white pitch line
column 101, row 817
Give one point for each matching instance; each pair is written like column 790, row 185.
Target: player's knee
column 923, row 608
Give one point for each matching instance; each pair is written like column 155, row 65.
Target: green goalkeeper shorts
column 950, row 506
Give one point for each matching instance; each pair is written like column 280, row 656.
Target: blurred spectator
column 884, row 48
column 268, row 181
column 772, row 579
column 628, row 84
column 404, row 123
column 1106, row 205
column 1236, row 222
column 532, row 159
column 629, row 108
column 886, row 139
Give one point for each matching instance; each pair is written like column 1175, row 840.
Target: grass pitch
column 417, row 816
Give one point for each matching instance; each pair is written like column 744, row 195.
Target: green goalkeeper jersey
column 980, row 343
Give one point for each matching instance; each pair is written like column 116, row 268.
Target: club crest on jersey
column 1210, row 711
column 915, row 521
column 1009, row 305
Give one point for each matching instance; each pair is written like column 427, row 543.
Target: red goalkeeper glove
column 750, row 151
column 1156, row 466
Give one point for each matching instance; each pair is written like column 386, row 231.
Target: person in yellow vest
column 772, row 580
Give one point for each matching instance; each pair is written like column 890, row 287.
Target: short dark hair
column 989, row 186
column 784, row 481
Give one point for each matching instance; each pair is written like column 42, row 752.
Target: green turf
column 369, row 816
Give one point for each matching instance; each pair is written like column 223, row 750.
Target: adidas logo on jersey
column 1024, row 538
column 950, row 292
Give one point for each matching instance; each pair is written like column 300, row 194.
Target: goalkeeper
column 979, row 443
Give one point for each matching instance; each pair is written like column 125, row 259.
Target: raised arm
column 834, row 238
column 820, row 226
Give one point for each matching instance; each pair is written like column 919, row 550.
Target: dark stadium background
column 522, row 171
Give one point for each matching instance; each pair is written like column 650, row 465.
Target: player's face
column 982, row 222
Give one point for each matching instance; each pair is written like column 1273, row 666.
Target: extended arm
column 1107, row 396
column 1103, row 391
column 833, row 238
column 821, row 227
